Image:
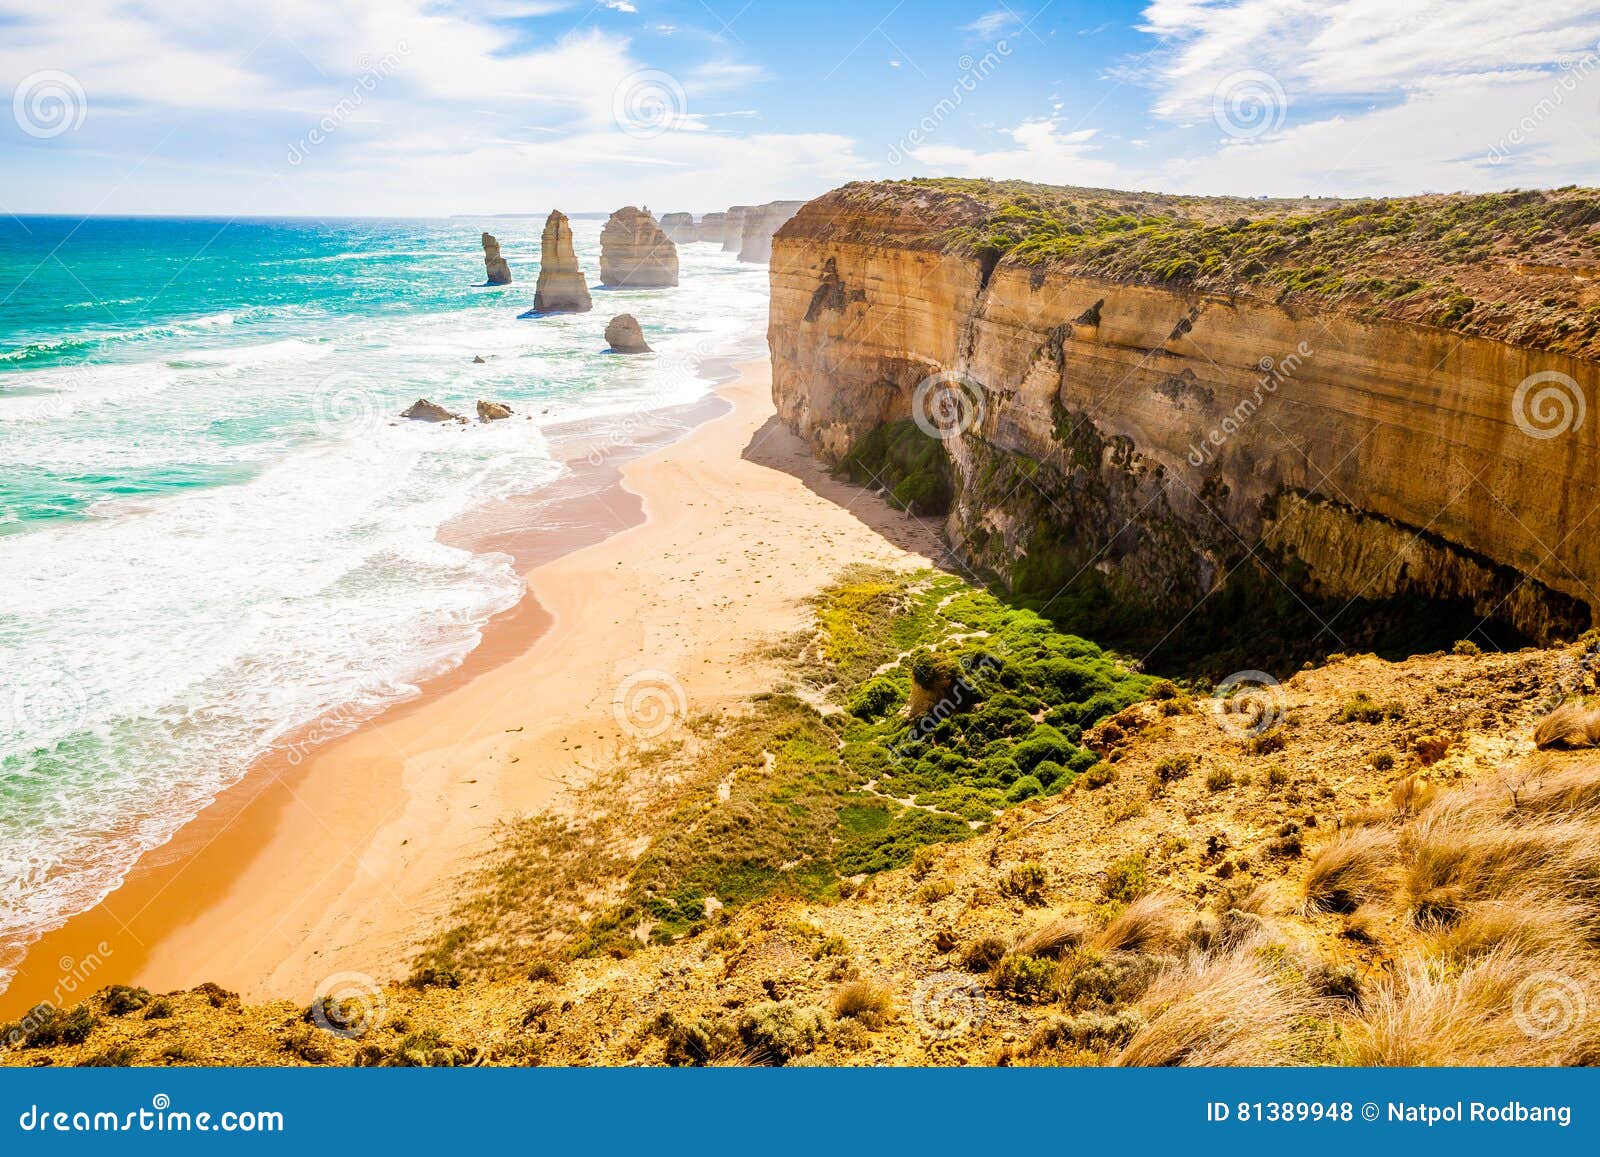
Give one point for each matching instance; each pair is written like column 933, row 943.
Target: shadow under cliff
column 1257, row 620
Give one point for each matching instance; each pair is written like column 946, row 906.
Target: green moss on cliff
column 911, row 466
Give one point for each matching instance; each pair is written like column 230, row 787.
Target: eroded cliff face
column 1156, row 438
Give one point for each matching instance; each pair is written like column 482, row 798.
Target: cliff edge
column 1127, row 402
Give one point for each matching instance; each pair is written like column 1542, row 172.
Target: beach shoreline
column 343, row 857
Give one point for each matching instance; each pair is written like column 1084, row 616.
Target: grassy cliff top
column 1518, row 266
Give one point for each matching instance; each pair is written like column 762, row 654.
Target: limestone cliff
column 733, row 227
column 760, row 223
column 635, row 252
column 495, row 268
column 679, row 227
column 710, row 227
column 561, row 287
column 1148, row 394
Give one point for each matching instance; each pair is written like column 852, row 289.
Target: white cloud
column 1040, row 151
column 992, row 24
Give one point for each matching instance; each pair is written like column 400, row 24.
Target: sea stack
column 495, row 265
column 561, row 287
column 635, row 252
column 624, row 336
column 760, row 223
column 733, row 228
column 679, row 227
column 710, row 228
column 423, row 410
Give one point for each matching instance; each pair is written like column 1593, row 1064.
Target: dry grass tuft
column 1572, row 725
column 866, row 1001
column 1149, row 924
column 1351, row 870
column 1227, row 1009
column 1053, row 939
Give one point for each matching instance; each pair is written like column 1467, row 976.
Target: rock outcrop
column 561, row 287
column 499, row 273
column 492, row 411
column 635, row 252
column 679, row 227
column 624, row 336
column 423, row 410
column 1112, row 430
column 733, row 227
column 710, row 228
column 760, row 223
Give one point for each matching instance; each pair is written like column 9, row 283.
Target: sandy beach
column 342, row 856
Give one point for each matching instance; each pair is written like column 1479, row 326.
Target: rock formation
column 423, row 410
column 561, row 287
column 733, row 228
column 477, row 360
column 760, row 223
column 679, row 227
column 635, row 252
column 624, row 335
column 492, row 411
column 710, row 228
column 499, row 273
column 1116, row 425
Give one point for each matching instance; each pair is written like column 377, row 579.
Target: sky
column 437, row 107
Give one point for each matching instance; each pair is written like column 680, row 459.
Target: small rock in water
column 477, row 360
column 492, row 411
column 624, row 335
column 423, row 410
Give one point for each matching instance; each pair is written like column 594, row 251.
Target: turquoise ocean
column 215, row 530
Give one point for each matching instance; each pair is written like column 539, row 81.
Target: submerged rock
column 499, row 273
column 624, row 335
column 634, row 251
column 477, row 360
column 492, row 411
column 423, row 410
column 561, row 287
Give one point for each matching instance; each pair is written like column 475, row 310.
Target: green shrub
column 1219, row 779
column 983, row 954
column 121, row 1000
column 1026, row 977
column 1025, row 882
column 1025, row 788
column 1127, row 879
column 777, row 1031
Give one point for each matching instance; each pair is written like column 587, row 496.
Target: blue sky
column 455, row 106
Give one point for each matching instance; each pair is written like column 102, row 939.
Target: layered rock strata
column 495, row 268
column 1154, row 436
column 561, row 287
column 635, row 252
